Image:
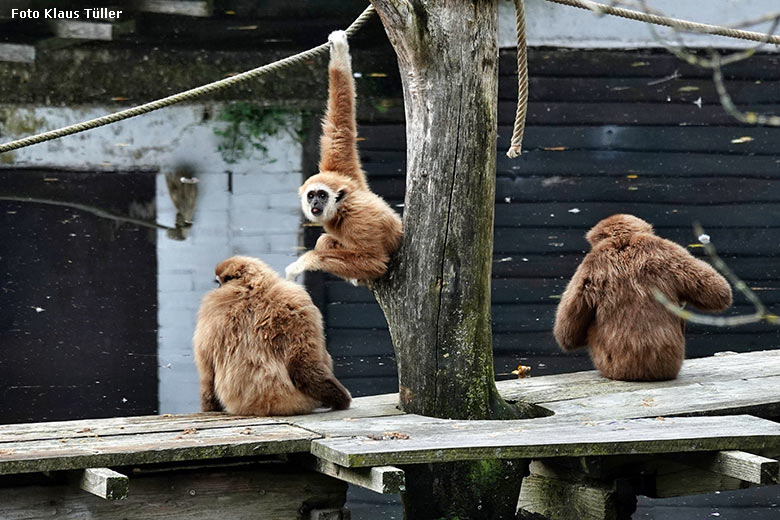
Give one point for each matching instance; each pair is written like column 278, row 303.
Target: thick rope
column 670, row 22
column 516, row 144
column 186, row 95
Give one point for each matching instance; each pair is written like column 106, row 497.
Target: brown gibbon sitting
column 260, row 347
column 609, row 304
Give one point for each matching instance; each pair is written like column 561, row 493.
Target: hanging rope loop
column 516, row 143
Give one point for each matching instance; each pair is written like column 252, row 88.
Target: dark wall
column 78, row 297
column 608, row 132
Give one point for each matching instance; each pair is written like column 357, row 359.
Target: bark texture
column 436, row 295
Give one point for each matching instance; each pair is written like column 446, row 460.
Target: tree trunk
column 436, row 295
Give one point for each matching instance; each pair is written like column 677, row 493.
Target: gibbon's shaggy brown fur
column 609, row 304
column 361, row 230
column 260, row 347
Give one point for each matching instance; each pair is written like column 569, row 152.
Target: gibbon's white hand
column 293, row 271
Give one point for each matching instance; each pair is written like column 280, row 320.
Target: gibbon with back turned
column 361, row 230
column 260, row 347
column 609, row 304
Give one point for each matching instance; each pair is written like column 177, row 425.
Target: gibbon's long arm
column 311, row 377
column 338, row 144
column 574, row 314
column 346, row 263
column 698, row 283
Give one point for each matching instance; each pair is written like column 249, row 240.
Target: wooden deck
column 717, row 405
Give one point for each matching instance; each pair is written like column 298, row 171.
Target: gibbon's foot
column 293, row 271
column 339, row 48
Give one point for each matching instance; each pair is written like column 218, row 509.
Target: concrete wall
column 557, row 25
column 260, row 217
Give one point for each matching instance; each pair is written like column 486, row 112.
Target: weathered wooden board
column 473, row 440
column 716, row 369
column 757, row 396
column 123, row 450
column 104, row 483
column 86, row 428
column 611, row 137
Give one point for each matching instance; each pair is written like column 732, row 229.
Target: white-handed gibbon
column 361, row 230
column 260, row 347
column 609, row 304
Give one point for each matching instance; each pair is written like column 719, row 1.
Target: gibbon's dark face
column 317, row 200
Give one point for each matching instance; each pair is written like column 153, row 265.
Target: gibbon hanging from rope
column 361, row 230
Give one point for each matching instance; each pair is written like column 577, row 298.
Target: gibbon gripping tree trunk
column 436, row 295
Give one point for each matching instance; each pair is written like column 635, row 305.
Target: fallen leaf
column 743, row 139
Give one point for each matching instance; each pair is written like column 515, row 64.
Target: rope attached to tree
column 186, row 95
column 516, row 144
column 676, row 23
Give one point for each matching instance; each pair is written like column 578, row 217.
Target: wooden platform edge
column 380, row 479
column 105, row 483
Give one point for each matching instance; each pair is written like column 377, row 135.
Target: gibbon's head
column 322, row 194
column 241, row 268
column 620, row 225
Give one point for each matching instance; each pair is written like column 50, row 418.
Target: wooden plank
column 583, row 385
column 610, row 137
column 729, row 241
column 618, row 63
column 83, row 30
column 554, row 499
column 506, row 317
column 17, row 52
column 673, row 479
column 549, row 437
column 128, row 426
column 105, row 483
column 660, row 189
column 265, row 491
column 640, row 90
column 385, row 166
column 757, row 396
column 100, row 428
column 757, row 268
column 740, row 465
column 199, row 8
column 590, row 209
column 54, row 455
column 380, row 479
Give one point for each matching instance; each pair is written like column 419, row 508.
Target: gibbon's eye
column 322, row 194
column 310, row 195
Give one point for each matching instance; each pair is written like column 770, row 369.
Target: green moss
column 250, row 125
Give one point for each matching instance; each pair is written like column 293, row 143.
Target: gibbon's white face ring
column 328, row 211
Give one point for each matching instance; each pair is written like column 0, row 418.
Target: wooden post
column 105, row 483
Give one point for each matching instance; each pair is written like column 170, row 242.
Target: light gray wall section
column 261, row 217
column 557, row 25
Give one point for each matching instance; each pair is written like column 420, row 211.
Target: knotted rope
column 516, row 143
column 667, row 21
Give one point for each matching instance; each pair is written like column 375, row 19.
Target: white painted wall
column 261, row 217
column 557, row 25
